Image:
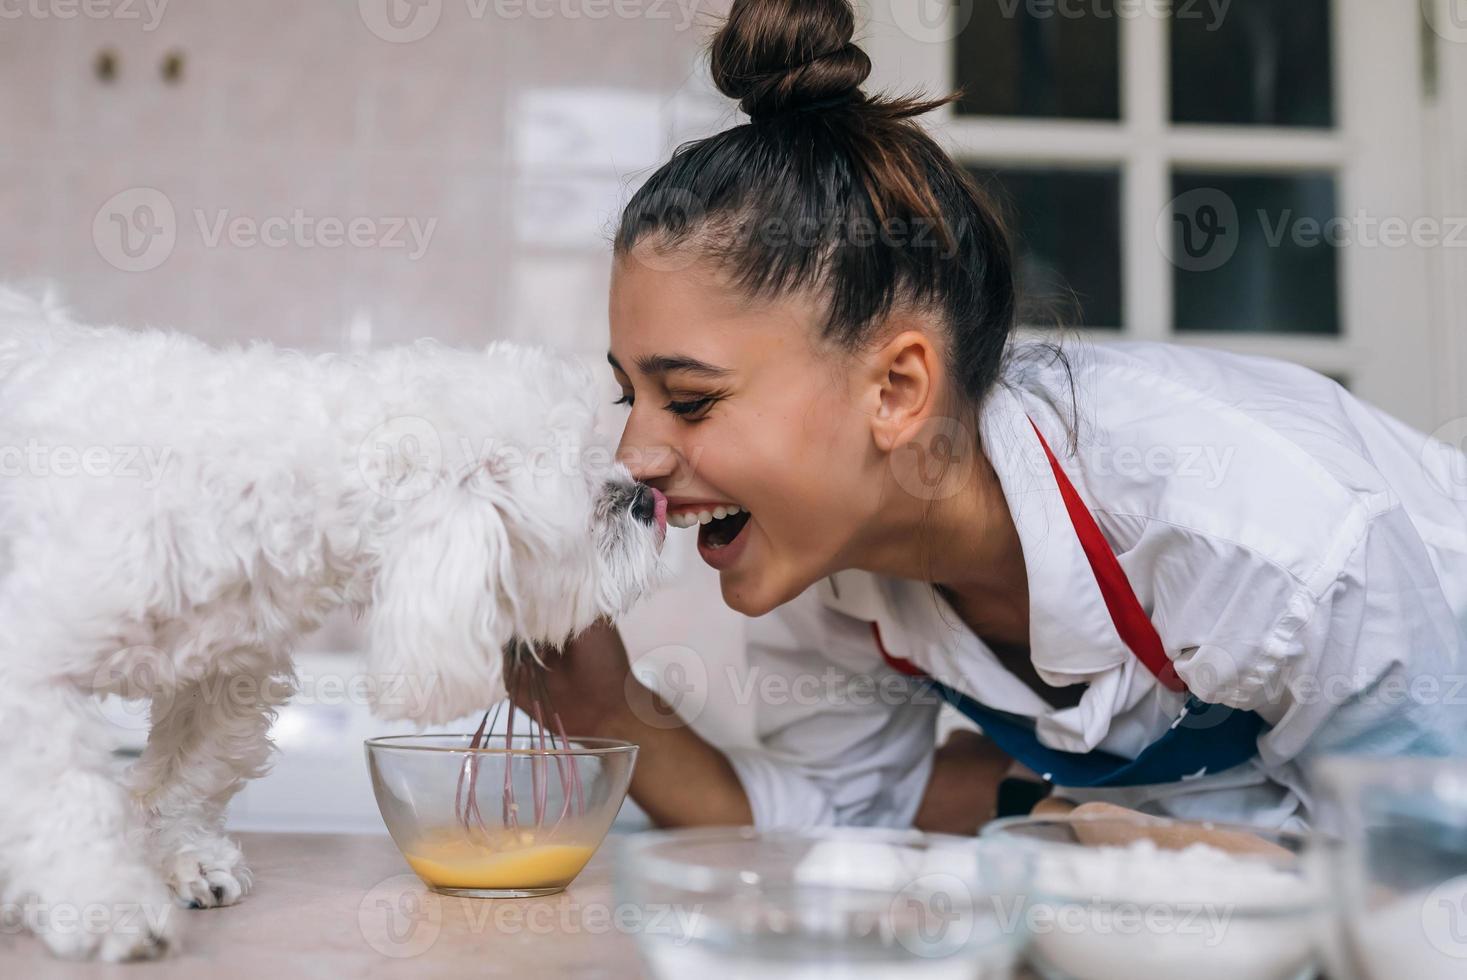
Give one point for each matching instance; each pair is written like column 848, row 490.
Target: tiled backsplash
column 506, row 137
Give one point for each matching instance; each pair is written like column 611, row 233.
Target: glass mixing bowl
column 833, row 904
column 504, row 821
column 1402, row 881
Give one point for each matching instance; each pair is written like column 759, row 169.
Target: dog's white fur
column 233, row 498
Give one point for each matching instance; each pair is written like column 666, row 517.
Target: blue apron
column 1205, row 738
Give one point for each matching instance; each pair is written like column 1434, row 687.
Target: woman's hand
column 679, row 780
column 585, row 681
column 962, row 794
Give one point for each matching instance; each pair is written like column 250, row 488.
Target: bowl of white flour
column 1122, row 899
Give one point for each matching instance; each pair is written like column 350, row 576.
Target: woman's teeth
column 694, row 518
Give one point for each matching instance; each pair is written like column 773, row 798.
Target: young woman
column 1154, row 576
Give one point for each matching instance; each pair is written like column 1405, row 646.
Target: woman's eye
column 691, row 408
column 623, row 400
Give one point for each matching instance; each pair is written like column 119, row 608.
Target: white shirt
column 1300, row 553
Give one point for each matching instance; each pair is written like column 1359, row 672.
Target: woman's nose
column 647, row 462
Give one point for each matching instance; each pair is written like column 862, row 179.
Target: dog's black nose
column 644, row 504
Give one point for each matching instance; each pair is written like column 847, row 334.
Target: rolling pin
column 1098, row 824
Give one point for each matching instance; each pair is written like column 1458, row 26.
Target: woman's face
column 736, row 403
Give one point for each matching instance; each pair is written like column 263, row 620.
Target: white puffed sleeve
column 843, row 739
column 1363, row 656
column 1378, row 665
column 1368, row 657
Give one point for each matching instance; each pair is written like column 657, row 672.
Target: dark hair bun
column 776, row 56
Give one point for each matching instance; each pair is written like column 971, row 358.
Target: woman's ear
column 904, row 377
column 929, row 453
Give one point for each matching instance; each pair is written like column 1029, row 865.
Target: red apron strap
column 896, row 663
column 1130, row 619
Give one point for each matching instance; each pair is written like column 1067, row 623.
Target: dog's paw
column 208, row 875
column 128, row 917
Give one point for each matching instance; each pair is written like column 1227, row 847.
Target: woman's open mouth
column 718, row 527
column 721, row 531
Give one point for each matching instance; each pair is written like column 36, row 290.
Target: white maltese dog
column 174, row 517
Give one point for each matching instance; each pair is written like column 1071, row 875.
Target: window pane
column 1067, row 232
column 1039, row 59
column 1262, row 62
column 1255, row 253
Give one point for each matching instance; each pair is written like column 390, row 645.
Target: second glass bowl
column 743, row 904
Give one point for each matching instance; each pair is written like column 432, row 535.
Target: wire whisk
column 525, row 681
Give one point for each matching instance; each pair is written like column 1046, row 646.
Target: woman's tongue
column 719, row 532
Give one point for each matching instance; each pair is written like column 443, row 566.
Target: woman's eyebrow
column 657, row 364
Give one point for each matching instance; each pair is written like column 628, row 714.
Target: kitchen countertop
column 346, row 906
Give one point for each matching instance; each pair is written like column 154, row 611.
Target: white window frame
column 1377, row 150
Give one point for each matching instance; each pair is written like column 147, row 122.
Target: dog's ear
column 443, row 606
